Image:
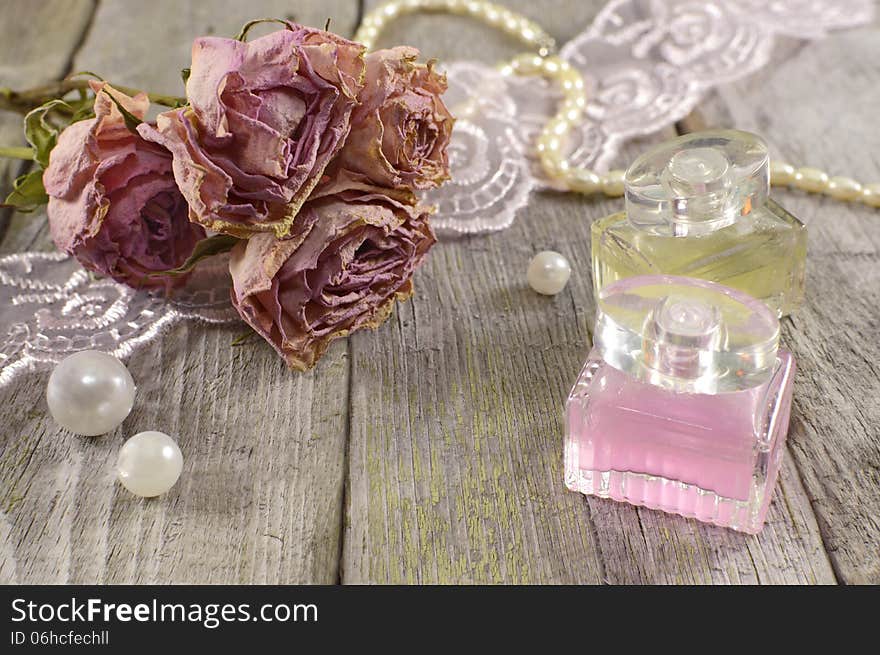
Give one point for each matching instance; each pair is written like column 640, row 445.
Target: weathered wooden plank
column 260, row 497
column 455, row 453
column 37, row 40
column 36, row 44
column 819, row 108
column 455, row 456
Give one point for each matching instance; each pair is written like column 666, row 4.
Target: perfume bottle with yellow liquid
column 698, row 206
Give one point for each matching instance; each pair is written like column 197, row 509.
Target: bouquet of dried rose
column 299, row 151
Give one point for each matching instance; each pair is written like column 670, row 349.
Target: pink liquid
column 712, row 457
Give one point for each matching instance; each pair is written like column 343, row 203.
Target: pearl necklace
column 551, row 140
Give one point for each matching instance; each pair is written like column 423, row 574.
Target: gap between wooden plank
column 470, row 490
column 33, row 73
column 813, row 106
column 260, row 499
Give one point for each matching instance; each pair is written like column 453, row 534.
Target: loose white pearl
column 149, row 464
column 90, row 393
column 548, row 272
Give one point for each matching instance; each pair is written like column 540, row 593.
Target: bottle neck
column 697, row 184
column 684, row 334
column 682, row 227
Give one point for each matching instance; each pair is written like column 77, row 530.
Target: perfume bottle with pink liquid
column 683, row 403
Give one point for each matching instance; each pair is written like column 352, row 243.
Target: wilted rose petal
column 346, row 261
column 264, row 120
column 113, row 201
column 401, row 129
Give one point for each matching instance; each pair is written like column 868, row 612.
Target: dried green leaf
column 83, row 108
column 41, row 132
column 28, row 192
column 131, row 121
column 205, row 248
column 184, row 74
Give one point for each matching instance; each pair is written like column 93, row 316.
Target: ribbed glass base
column 671, row 496
column 712, row 457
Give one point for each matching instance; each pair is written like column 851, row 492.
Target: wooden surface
column 430, row 450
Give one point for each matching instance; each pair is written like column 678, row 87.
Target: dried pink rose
column 264, row 120
column 113, row 201
column 348, row 258
column 401, row 129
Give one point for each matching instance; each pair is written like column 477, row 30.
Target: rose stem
column 14, row 152
column 23, row 101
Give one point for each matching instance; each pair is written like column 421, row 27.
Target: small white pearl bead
column 871, row 195
column 612, row 183
column 551, row 164
column 90, row 393
column 149, row 464
column 584, row 181
column 811, row 179
column 548, row 272
column 781, row 173
column 557, row 126
column 843, row 188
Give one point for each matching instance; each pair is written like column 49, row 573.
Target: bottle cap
column 698, row 182
column 686, row 334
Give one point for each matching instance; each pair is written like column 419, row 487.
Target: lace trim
column 52, row 308
column 647, row 63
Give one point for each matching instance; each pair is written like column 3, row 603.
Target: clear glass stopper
column 686, row 334
column 698, row 182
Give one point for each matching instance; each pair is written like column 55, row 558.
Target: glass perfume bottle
column 683, row 403
column 698, row 206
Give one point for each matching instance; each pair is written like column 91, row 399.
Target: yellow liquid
column 763, row 254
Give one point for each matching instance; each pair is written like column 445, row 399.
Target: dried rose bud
column 113, row 201
column 348, row 258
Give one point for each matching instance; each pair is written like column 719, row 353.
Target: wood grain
column 819, row 108
column 430, row 449
column 37, row 40
column 261, row 492
column 455, row 454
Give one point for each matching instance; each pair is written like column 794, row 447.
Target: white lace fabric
column 52, row 307
column 647, row 64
